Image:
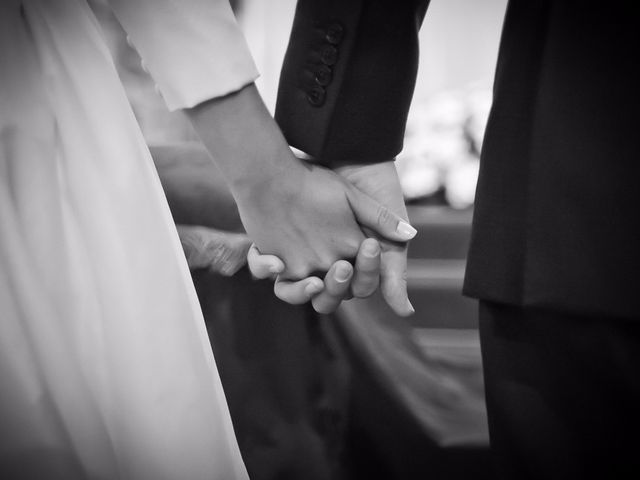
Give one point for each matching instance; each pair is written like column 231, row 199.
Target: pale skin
column 340, row 280
column 309, row 217
column 388, row 264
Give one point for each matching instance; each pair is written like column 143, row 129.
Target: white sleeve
column 193, row 49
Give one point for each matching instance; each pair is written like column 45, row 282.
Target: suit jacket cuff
column 345, row 100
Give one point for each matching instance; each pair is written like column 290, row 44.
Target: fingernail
column 343, row 273
column 313, row 288
column 405, row 230
column 371, row 250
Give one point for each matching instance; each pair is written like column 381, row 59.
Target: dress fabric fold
column 106, row 371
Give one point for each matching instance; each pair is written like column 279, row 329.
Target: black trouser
column 563, row 393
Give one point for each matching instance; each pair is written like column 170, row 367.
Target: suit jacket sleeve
column 193, row 49
column 348, row 78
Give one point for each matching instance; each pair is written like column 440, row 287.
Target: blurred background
column 363, row 393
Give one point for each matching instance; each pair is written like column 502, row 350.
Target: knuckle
column 403, row 277
column 324, row 265
column 368, row 268
column 352, row 247
column 364, row 290
column 324, row 308
column 327, row 262
column 383, row 215
column 296, row 272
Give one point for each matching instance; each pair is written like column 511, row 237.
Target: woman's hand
column 380, row 181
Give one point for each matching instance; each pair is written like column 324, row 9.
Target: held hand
column 312, row 218
column 308, row 216
column 381, row 182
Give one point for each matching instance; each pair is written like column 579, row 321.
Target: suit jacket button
column 335, row 33
column 316, row 95
column 323, row 75
column 329, row 55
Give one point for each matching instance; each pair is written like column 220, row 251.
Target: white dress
column 105, row 367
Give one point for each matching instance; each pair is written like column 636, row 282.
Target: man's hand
column 380, row 181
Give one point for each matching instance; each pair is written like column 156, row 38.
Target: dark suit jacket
column 557, row 217
column 348, row 77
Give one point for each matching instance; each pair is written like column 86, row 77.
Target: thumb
column 263, row 266
column 379, row 218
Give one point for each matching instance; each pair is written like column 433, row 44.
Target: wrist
column 271, row 173
column 280, row 179
column 243, row 140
